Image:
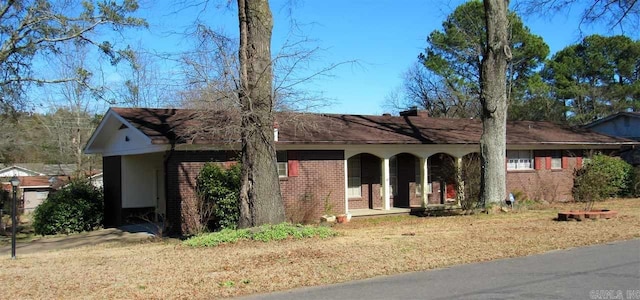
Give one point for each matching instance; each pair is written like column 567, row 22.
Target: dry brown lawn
column 366, row 248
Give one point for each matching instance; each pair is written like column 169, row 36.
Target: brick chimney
column 414, row 112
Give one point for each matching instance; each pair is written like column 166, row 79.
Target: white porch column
column 346, row 186
column 424, row 177
column 459, row 180
column 386, row 184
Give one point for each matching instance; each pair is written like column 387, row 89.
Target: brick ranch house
column 151, row 158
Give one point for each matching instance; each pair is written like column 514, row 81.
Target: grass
column 266, row 233
column 24, row 229
column 364, row 248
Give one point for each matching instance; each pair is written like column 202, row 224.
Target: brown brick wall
column 320, row 177
column 320, row 181
column 543, row 183
column 435, row 197
column 182, row 168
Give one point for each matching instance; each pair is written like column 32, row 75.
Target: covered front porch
column 401, row 181
column 418, row 210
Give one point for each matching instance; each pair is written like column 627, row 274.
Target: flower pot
column 328, row 218
column 342, row 218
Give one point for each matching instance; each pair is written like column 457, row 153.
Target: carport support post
column 424, row 178
column 346, row 185
column 459, row 181
column 386, row 195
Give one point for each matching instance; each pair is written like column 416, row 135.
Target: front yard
column 365, row 248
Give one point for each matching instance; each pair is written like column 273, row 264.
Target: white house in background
column 96, row 180
column 622, row 124
column 18, row 171
column 34, row 190
column 37, row 180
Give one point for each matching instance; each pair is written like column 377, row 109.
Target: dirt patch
column 55, row 243
column 365, row 248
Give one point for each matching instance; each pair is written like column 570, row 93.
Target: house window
column 418, row 177
column 282, row 163
column 42, row 195
column 519, row 160
column 393, row 175
column 556, row 160
column 354, row 179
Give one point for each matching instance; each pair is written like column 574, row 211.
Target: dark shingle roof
column 194, row 127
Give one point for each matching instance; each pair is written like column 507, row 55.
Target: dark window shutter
column 538, row 162
column 293, row 164
column 547, row 161
column 578, row 162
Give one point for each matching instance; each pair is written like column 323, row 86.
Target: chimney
column 414, row 112
column 275, row 131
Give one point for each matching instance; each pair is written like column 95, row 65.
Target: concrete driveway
column 101, row 236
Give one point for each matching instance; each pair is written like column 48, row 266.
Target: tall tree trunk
column 494, row 101
column 260, row 198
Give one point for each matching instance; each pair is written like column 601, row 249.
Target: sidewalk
column 45, row 244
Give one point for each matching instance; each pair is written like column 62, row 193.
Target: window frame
column 556, row 157
column 354, row 177
column 282, row 164
column 418, row 176
column 393, row 175
column 517, row 160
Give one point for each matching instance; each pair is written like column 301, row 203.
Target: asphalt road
column 610, row 271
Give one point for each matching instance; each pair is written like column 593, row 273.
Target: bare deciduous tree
column 71, row 120
column 247, row 84
column 621, row 14
column 33, row 29
column 260, row 198
column 436, row 94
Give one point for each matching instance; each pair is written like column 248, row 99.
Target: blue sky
column 383, row 36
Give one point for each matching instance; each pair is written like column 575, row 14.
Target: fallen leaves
column 365, row 248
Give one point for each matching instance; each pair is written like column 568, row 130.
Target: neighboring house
column 33, row 190
column 14, row 170
column 37, row 180
column 624, row 125
column 151, row 158
column 40, row 169
column 97, row 180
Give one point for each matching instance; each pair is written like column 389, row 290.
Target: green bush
column 265, row 233
column 219, row 189
column 602, row 177
column 75, row 208
column 225, row 236
column 635, row 182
